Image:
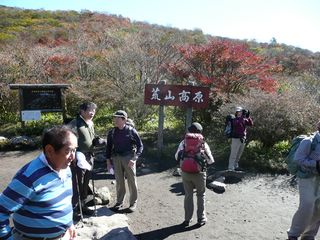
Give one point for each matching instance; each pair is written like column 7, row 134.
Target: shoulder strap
column 129, row 130
column 314, row 142
column 112, row 133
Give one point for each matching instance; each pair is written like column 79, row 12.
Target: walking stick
column 94, row 194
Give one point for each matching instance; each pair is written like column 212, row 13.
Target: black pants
column 80, row 179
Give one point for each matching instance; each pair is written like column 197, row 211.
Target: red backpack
column 193, row 146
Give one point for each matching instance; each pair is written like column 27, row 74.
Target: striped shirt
column 40, row 200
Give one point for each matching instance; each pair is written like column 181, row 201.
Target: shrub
column 277, row 117
column 265, row 159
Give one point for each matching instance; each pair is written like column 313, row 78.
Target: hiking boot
column 116, row 207
column 239, row 169
column 87, row 211
column 292, row 238
column 132, row 207
column 202, row 221
column 186, row 223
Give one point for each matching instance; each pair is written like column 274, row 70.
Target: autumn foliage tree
column 225, row 66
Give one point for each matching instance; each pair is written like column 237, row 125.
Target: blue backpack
column 292, row 165
column 228, row 127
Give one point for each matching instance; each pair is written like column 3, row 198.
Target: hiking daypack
column 292, row 165
column 228, row 126
column 192, row 160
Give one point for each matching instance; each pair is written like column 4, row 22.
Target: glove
column 97, row 141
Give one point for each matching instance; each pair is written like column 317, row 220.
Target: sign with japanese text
column 176, row 95
column 42, row 99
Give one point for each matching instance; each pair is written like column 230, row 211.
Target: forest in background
column 108, row 59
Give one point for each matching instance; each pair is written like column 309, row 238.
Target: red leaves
column 59, row 66
column 226, row 66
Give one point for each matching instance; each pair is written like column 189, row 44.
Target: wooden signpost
column 186, row 96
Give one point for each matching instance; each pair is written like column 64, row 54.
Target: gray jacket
column 307, row 159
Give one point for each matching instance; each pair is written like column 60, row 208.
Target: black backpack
column 228, row 128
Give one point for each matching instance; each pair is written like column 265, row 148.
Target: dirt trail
column 258, row 207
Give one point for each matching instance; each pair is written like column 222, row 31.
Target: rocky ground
column 257, row 207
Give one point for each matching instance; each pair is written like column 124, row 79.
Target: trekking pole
column 94, row 194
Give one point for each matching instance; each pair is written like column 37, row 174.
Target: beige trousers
column 194, row 181
column 306, row 220
column 121, row 170
column 237, row 148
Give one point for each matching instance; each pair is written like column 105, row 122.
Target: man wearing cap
column 239, row 134
column 124, row 146
column 195, row 180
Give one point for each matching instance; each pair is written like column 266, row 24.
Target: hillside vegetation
column 108, row 60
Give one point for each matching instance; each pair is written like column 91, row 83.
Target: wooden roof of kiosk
column 24, row 86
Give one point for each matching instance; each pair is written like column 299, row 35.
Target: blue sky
column 293, row 22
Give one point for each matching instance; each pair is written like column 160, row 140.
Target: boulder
column 177, row 172
column 106, row 225
column 22, row 142
column 216, row 186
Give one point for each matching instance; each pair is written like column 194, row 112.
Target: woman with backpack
column 238, row 136
column 194, row 154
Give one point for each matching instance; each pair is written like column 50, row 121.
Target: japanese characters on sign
column 44, row 99
column 176, row 95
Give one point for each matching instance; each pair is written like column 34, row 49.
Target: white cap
column 239, row 109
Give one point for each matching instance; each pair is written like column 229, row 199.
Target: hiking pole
column 94, row 194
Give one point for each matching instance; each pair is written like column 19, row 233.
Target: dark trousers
column 80, row 182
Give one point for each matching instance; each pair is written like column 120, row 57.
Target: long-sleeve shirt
column 40, row 200
column 122, row 141
column 239, row 126
column 307, row 158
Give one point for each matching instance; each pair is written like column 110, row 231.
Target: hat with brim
column 239, row 109
column 195, row 128
column 121, row 114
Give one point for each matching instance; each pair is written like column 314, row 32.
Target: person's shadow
column 163, row 233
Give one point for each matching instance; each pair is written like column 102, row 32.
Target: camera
column 98, row 141
column 245, row 113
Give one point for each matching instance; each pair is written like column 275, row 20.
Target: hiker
column 124, row 146
column 194, row 171
column 130, row 122
column 82, row 170
column 39, row 195
column 306, row 220
column 238, row 136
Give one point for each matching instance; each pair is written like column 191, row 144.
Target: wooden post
column 188, row 121
column 160, row 126
column 21, row 106
column 63, row 105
